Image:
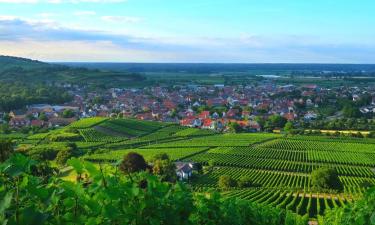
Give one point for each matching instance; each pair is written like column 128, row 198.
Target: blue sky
column 242, row 31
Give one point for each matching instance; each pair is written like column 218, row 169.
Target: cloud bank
column 48, row 40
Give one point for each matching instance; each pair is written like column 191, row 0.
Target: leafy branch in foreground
column 100, row 197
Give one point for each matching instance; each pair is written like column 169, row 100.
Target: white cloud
column 48, row 40
column 84, row 13
column 120, row 19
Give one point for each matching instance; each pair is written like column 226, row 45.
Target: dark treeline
column 18, row 95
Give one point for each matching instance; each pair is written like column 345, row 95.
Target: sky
column 207, row 31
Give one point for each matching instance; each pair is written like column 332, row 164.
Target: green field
column 279, row 167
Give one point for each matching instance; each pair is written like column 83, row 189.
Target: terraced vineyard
column 278, row 167
column 279, row 170
column 174, row 153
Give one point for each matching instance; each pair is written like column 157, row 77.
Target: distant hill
column 33, row 71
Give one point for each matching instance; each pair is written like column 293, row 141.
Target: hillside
column 278, row 168
column 32, row 71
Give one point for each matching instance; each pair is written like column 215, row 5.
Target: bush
column 110, row 198
column 165, row 170
column 63, row 156
column 245, row 182
column 226, row 182
column 360, row 212
column 133, row 162
column 325, row 178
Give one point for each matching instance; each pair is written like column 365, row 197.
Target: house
column 186, row 122
column 204, row 115
column 37, row 123
column 310, row 116
column 197, row 123
column 208, row 124
column 184, row 170
column 290, row 116
column 19, row 122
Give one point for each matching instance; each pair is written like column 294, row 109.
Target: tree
column 43, row 116
column 160, row 156
column 133, row 162
column 288, row 127
column 234, row 127
column 360, row 212
column 6, row 149
column 68, row 113
column 325, row 178
column 198, row 167
column 350, row 111
column 226, row 182
column 63, row 156
column 245, row 182
column 165, row 169
column 275, row 121
column 6, row 117
column 4, row 128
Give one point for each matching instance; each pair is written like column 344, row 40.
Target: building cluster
column 203, row 106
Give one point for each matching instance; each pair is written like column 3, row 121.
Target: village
column 202, row 106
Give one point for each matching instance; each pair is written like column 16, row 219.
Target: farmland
column 279, row 167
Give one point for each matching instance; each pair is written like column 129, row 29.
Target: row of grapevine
column 228, row 140
column 87, row 122
column 275, row 164
column 174, row 154
column 258, row 178
column 346, row 158
column 303, row 145
column 92, row 135
column 309, row 204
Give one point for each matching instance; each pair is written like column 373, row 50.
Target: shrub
column 245, row 182
column 133, row 162
column 325, row 178
column 63, row 156
column 226, row 182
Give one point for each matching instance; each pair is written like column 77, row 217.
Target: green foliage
column 325, row 178
column 114, row 199
column 43, row 116
column 351, row 111
column 245, row 182
column 288, row 127
column 234, row 127
column 275, row 121
column 361, row 212
column 164, row 168
column 226, row 182
column 50, row 151
column 6, row 149
column 68, row 113
column 160, row 156
column 63, row 156
column 133, row 162
column 87, row 123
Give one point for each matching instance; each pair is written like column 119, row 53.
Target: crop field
column 88, row 122
column 131, row 127
column 279, row 167
column 280, row 170
column 148, row 154
column 223, row 140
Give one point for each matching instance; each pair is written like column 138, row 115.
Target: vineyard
column 278, row 167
